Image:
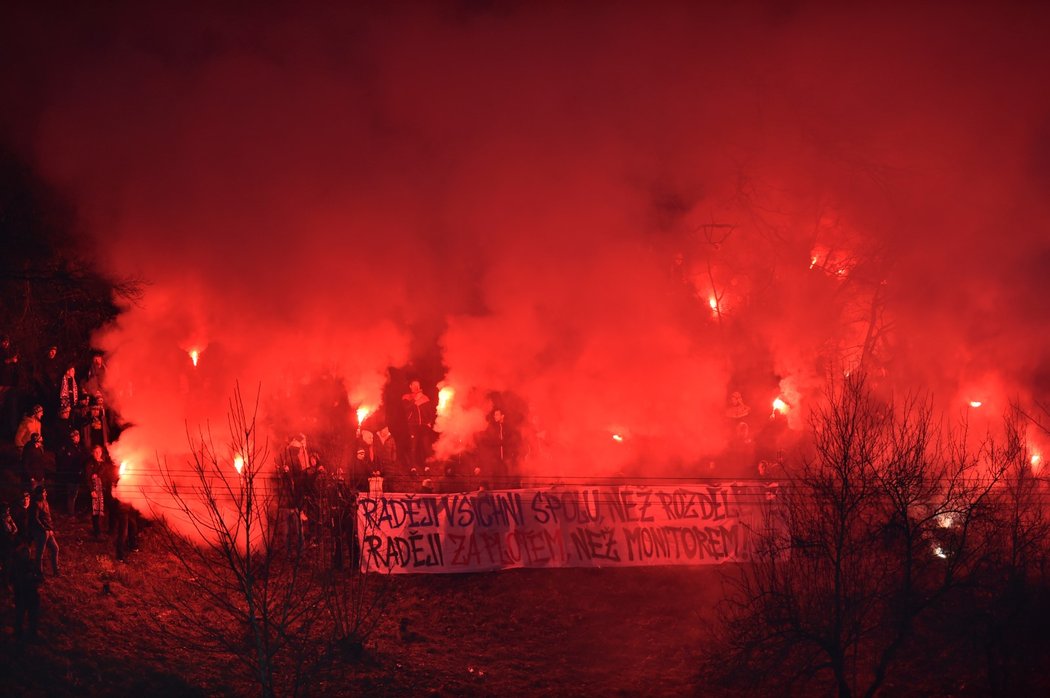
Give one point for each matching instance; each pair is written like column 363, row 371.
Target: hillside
column 577, row 631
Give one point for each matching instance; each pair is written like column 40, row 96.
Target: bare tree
column 1006, row 610
column 286, row 615
column 220, row 524
column 875, row 527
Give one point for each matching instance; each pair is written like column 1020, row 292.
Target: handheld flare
column 445, row 396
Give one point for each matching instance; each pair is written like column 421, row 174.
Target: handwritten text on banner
column 560, row 527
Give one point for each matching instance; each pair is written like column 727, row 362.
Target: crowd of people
column 317, row 496
column 58, row 427
column 57, row 430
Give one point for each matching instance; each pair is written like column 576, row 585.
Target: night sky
column 503, row 188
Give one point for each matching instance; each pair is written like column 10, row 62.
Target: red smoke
column 303, row 190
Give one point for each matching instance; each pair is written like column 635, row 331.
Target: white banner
column 621, row 526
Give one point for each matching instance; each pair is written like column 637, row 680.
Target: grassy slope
column 588, row 632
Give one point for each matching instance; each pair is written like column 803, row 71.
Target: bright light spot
column 946, row 520
column 238, row 463
column 712, row 303
column 194, row 356
column 362, row 414
column 123, row 468
column 445, row 396
column 975, row 403
column 813, row 261
column 1035, row 460
column 780, row 406
column 939, row 552
column 617, row 438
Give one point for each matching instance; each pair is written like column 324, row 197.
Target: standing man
column 498, row 451
column 420, row 414
column 101, row 475
column 43, row 530
column 69, row 467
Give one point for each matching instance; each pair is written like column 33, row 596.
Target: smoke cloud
column 612, row 216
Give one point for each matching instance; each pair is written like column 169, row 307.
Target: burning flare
column 362, row 414
column 238, row 463
column 123, row 469
column 617, row 438
column 780, row 406
column 445, row 396
column 195, row 355
column 975, row 403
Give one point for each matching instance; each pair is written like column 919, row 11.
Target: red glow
column 578, row 297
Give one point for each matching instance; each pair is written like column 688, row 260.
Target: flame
column 123, row 469
column 1035, row 460
column 195, row 355
column 817, row 256
column 975, row 403
column 939, row 552
column 445, row 396
column 780, row 406
column 238, row 463
column 617, row 438
column 712, row 302
column 362, row 414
